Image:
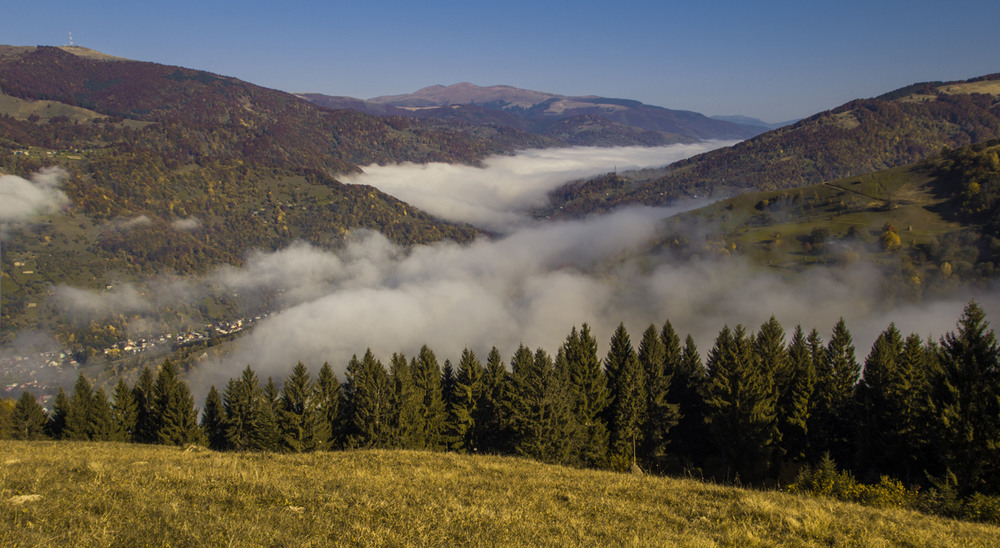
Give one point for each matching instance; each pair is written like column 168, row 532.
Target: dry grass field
column 107, row 494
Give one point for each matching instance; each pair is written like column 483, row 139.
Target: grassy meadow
column 99, row 494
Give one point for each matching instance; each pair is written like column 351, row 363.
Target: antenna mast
column 70, row 37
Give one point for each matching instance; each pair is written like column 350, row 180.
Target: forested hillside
column 859, row 137
column 173, row 170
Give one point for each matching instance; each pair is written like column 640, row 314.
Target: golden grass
column 21, row 109
column 989, row 87
column 99, row 494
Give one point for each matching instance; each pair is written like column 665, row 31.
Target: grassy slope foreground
column 69, row 493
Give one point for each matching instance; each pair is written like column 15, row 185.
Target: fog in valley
column 529, row 286
column 534, row 283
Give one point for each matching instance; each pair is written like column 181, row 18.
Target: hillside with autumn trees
column 169, row 169
column 862, row 136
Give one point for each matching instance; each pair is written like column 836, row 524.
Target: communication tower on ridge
column 70, row 37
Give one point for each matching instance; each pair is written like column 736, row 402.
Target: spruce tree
column 687, row 440
column 329, row 400
column 740, row 407
column 967, row 401
column 769, row 344
column 541, row 418
column 101, row 422
column 213, row 420
column 795, row 403
column 246, row 410
column 270, row 430
column 6, row 416
column 626, row 412
column 146, row 421
column 367, row 398
column 448, row 385
column 124, row 412
column 79, row 413
column 491, row 416
column 302, row 426
column 427, row 382
column 28, row 420
column 835, row 415
column 661, row 415
column 467, row 394
column 406, row 428
column 174, row 406
column 588, row 394
column 60, row 408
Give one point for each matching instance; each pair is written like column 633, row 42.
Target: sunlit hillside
column 79, row 494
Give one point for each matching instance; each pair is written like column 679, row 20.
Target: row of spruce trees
column 755, row 411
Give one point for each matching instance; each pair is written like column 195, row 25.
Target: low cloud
column 22, row 199
column 528, row 287
column 186, row 225
column 534, row 285
column 496, row 195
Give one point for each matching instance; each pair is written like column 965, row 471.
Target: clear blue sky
column 774, row 60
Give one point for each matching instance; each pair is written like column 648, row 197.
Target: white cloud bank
column 495, row 196
column 530, row 286
column 21, row 199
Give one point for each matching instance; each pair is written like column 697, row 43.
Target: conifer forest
column 915, row 419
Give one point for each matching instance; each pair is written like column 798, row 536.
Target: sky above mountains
column 773, row 60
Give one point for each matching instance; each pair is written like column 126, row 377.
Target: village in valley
column 42, row 372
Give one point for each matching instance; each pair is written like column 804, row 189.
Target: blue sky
column 774, row 60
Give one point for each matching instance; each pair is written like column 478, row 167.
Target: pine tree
column 427, row 382
column 302, row 426
column 835, row 414
column 588, row 394
column 467, row 394
column 406, row 430
column 661, row 415
column 367, row 398
column 328, row 400
column 491, row 416
column 28, row 420
column 626, row 412
column 967, row 401
column 213, row 420
column 124, row 413
column 740, row 407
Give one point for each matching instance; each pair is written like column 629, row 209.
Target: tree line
column 757, row 410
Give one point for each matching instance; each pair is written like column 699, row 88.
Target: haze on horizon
column 775, row 61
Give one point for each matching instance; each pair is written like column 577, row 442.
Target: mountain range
column 174, row 170
column 584, row 120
